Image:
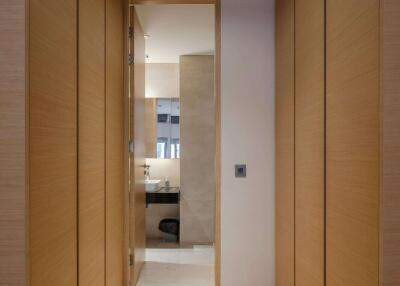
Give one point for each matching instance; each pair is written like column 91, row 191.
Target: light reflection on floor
column 178, row 267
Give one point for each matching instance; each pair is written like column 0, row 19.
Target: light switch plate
column 240, row 171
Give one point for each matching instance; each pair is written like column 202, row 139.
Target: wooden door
column 53, row 143
column 137, row 239
column 352, row 142
column 285, row 143
column 310, row 147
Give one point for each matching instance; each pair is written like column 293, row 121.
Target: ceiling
column 176, row 30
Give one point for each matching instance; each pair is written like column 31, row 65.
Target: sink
column 152, row 185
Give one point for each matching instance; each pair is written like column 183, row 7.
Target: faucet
column 167, row 185
column 146, row 172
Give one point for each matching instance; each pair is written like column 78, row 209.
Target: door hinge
column 131, row 260
column 131, row 59
column 131, row 146
column 131, row 33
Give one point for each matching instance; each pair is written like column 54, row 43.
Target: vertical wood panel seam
column 77, row 144
column 29, row 129
column 380, row 140
column 381, row 195
column 325, row 125
column 27, row 141
column 380, row 144
column 294, row 140
column 105, row 142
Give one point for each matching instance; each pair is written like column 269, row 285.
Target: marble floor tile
column 178, row 267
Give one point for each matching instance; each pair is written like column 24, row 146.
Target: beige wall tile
column 197, row 149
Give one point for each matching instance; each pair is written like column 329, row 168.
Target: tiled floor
column 178, row 267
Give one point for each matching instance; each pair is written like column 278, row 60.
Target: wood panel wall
column 310, row 142
column 390, row 144
column 91, row 155
column 362, row 230
column 352, row 144
column 53, row 142
column 13, row 166
column 115, row 255
column 285, row 143
column 44, row 230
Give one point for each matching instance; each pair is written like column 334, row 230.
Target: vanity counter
column 163, row 195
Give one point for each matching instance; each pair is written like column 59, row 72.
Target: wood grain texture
column 390, row 140
column 12, row 145
column 115, row 255
column 53, row 143
column 91, row 142
column 137, row 159
column 285, row 143
column 217, row 239
column 352, row 142
column 151, row 127
column 310, row 142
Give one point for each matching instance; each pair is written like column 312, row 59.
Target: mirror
column 163, row 128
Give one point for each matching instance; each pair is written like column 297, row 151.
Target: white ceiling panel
column 176, row 30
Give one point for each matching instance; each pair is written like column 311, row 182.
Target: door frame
column 217, row 99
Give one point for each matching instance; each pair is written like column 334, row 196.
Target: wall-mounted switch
column 240, row 171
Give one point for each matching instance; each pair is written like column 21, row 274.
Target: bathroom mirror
column 163, row 128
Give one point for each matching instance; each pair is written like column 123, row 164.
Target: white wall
column 248, row 128
column 162, row 80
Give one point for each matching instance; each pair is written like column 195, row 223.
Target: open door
column 137, row 164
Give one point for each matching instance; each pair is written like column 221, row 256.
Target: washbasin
column 152, row 185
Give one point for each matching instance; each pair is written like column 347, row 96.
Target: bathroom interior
column 179, row 141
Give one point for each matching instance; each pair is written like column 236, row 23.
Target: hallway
column 178, row 267
column 294, row 110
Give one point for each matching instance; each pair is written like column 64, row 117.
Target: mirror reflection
column 163, row 116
